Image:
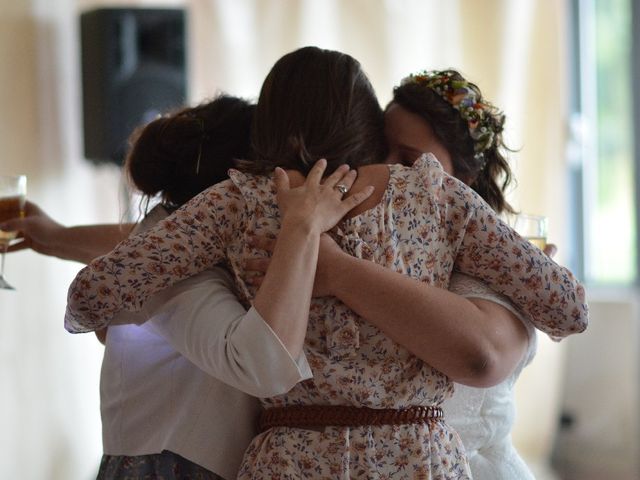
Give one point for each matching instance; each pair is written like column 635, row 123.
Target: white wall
column 602, row 394
column 50, row 426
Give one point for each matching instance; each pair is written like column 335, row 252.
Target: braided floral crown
column 484, row 120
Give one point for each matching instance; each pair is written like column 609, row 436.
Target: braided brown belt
column 313, row 416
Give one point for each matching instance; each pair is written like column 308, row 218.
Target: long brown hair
column 316, row 104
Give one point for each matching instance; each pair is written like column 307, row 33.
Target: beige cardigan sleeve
column 202, row 319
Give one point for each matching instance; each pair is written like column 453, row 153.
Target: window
column 606, row 109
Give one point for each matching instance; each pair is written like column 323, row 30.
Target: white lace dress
column 484, row 417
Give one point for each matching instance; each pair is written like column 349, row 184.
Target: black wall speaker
column 133, row 67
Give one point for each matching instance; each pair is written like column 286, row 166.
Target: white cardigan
column 176, row 382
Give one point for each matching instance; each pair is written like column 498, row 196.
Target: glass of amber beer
column 533, row 228
column 13, row 192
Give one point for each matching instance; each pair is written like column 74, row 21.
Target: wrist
column 339, row 269
column 300, row 225
column 62, row 242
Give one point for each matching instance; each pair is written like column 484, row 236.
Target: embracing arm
column 284, row 297
column 488, row 249
column 184, row 244
column 193, row 239
column 467, row 333
column 474, row 341
column 83, row 243
column 259, row 351
column 44, row 235
column 547, row 293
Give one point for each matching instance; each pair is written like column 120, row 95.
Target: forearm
column 85, row 242
column 284, row 297
column 182, row 245
column 202, row 319
column 449, row 332
column 313, row 206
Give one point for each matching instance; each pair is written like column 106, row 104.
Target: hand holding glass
column 533, row 228
column 13, row 192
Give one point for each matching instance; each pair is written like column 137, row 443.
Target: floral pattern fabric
column 426, row 225
column 403, row 452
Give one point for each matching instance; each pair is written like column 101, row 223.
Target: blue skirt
column 162, row 466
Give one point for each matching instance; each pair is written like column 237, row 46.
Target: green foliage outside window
column 613, row 253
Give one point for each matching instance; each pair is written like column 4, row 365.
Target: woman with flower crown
column 468, row 143
column 373, row 406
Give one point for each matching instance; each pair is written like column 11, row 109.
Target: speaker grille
column 133, row 67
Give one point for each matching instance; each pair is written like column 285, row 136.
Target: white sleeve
column 202, row 319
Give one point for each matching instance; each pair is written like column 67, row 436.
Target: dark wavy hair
column 489, row 175
column 316, row 104
column 182, row 153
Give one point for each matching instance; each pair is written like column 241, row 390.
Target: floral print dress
column 426, row 225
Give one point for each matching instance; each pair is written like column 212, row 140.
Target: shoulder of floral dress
column 429, row 172
column 238, row 177
column 428, row 163
column 438, row 181
column 253, row 188
column 249, row 184
column 214, row 197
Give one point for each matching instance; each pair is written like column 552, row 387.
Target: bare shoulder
column 375, row 175
column 376, row 171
